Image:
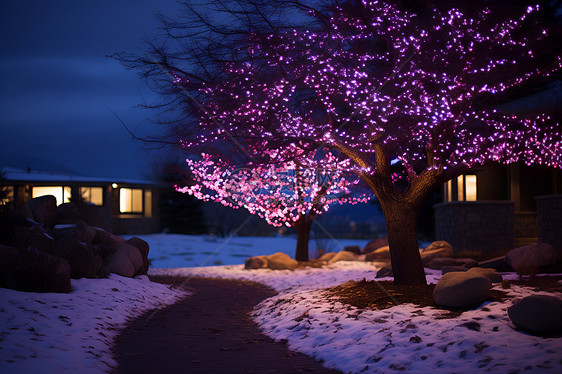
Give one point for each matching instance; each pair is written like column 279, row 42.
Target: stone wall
column 549, row 214
column 483, row 226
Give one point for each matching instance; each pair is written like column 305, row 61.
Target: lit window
column 470, row 187
column 466, row 189
column 148, row 203
column 92, row 195
column 449, row 191
column 460, row 188
column 61, row 193
column 130, row 200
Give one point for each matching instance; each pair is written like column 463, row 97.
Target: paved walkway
column 209, row 332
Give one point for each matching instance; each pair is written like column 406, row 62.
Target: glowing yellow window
column 92, row 195
column 62, row 194
column 470, row 187
column 130, row 200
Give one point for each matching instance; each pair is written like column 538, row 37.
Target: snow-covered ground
column 72, row 333
column 401, row 338
column 50, row 333
column 174, row 250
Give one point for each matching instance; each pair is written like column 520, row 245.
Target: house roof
column 30, row 175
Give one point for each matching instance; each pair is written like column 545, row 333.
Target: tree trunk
column 303, row 226
column 401, row 223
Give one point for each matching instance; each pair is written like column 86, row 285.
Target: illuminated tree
column 291, row 194
column 376, row 81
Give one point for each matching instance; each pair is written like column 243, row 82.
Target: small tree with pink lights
column 376, row 81
column 291, row 194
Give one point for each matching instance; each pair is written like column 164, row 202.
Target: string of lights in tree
column 280, row 194
column 380, row 75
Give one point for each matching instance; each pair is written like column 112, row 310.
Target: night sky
column 58, row 90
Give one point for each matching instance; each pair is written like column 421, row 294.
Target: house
column 500, row 207
column 123, row 206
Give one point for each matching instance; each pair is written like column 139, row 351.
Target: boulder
column 30, row 270
column 436, row 249
column 343, row 256
column 385, row 271
column 143, row 248
column 106, row 238
column 34, row 237
column 65, row 214
column 438, row 263
column 79, row 255
column 447, row 269
column 353, row 249
column 537, row 314
column 375, row 244
column 256, row 262
column 461, row 289
column 489, row 273
column 529, row 258
column 281, row 261
column 81, row 230
column 101, row 270
column 327, row 256
column 42, row 207
column 382, row 253
column 125, row 261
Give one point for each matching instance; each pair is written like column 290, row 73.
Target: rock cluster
column 45, row 245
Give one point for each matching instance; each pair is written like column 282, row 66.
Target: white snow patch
column 73, row 333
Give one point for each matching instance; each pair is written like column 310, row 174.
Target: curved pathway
column 208, row 332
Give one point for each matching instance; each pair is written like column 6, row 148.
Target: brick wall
column 549, row 215
column 483, row 226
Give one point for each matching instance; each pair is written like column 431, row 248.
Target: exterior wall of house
column 106, row 216
column 483, row 226
column 549, row 212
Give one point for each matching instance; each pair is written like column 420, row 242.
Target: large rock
column 491, row 274
column 343, row 256
column 528, row 259
column 30, row 270
column 538, row 314
column 385, row 271
column 79, row 255
column 42, row 207
column 143, row 248
column 276, row 261
column 438, row 263
column 34, row 237
column 256, row 262
column 327, row 256
column 104, row 242
column 461, row 290
column 80, row 230
column 281, row 261
column 65, row 214
column 375, row 244
column 436, row 249
column 106, row 238
column 353, row 249
column 382, row 253
column 125, row 261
